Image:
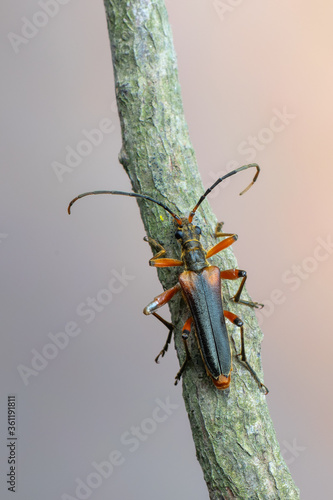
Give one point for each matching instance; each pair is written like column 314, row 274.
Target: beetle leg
column 185, row 333
column 156, row 246
column 234, row 274
column 168, row 340
column 238, row 322
column 221, row 245
column 231, row 274
column 218, row 233
column 158, row 302
column 157, row 261
column 161, row 299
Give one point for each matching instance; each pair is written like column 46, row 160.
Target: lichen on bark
column 232, row 430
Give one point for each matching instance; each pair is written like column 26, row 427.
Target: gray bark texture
column 232, row 430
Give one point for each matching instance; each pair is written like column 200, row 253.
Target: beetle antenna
column 136, row 195
column 229, row 174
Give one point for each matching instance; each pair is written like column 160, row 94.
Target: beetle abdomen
column 202, row 292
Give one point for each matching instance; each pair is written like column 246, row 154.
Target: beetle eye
column 178, row 234
column 197, row 229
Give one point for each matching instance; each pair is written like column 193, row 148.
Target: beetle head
column 186, row 231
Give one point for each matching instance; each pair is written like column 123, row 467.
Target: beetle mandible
column 200, row 285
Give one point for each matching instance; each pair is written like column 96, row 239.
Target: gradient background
column 235, row 68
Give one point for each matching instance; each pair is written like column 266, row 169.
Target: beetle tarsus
column 169, row 337
column 220, row 234
column 161, row 354
column 180, row 373
column 249, row 303
column 243, row 360
column 264, row 389
column 187, row 359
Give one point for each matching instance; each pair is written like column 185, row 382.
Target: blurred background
column 76, row 349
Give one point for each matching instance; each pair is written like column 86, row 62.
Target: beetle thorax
column 193, row 253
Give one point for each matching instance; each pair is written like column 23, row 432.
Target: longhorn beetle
column 200, row 285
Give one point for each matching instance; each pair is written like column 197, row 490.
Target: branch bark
column 232, row 430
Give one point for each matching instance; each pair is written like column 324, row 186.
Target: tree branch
column 232, row 430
